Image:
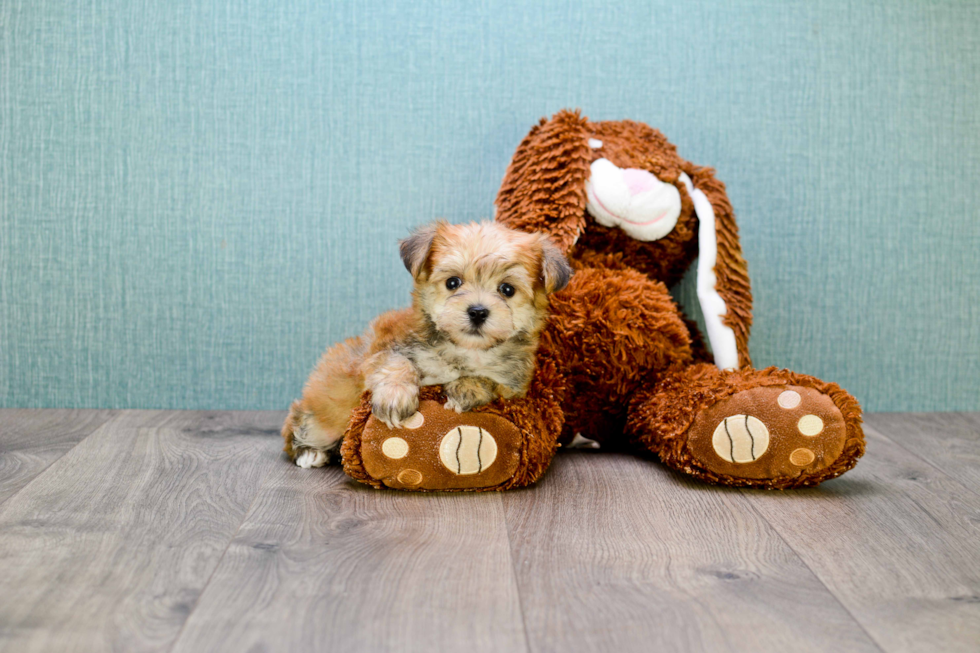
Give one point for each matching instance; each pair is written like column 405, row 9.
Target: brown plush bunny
column 619, row 366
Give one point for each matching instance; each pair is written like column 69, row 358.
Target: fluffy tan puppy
column 479, row 304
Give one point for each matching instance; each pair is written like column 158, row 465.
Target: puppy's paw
column 309, row 458
column 451, row 404
column 467, row 393
column 395, row 403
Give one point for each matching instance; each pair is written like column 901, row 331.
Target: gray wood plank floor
column 30, row 440
column 188, row 531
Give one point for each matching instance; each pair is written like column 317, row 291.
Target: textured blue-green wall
column 197, row 196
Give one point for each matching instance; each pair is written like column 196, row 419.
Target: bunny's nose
column 639, row 181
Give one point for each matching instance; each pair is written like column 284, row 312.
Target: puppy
column 479, row 304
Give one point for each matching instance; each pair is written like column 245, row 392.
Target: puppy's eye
column 506, row 290
column 452, row 283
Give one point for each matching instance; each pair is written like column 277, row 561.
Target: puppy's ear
column 415, row 249
column 555, row 270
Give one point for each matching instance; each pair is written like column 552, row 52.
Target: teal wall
column 196, row 196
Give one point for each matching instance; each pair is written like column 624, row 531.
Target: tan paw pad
column 810, row 425
column 741, row 439
column 467, row 450
column 789, row 399
column 414, row 422
column 410, row 477
column 802, row 457
column 395, row 448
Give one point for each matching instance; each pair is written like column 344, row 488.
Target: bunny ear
column 544, row 187
column 723, row 285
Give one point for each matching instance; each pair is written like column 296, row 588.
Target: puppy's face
column 482, row 284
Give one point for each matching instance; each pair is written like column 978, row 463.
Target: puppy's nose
column 478, row 314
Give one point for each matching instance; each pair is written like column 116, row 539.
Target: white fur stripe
column 721, row 337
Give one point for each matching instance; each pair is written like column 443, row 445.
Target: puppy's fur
column 479, row 304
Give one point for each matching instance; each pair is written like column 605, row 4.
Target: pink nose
column 638, row 181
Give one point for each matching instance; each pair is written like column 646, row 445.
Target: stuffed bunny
column 619, row 366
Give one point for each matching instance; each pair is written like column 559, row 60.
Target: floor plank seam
column 42, row 472
column 871, row 638
column 923, row 458
column 251, row 506
column 514, row 575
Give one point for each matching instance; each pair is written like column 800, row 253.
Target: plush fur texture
column 618, row 362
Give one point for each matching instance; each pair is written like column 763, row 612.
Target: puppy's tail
column 319, row 419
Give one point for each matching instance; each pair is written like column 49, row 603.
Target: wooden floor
column 188, row 531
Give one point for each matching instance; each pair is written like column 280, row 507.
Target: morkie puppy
column 479, row 304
